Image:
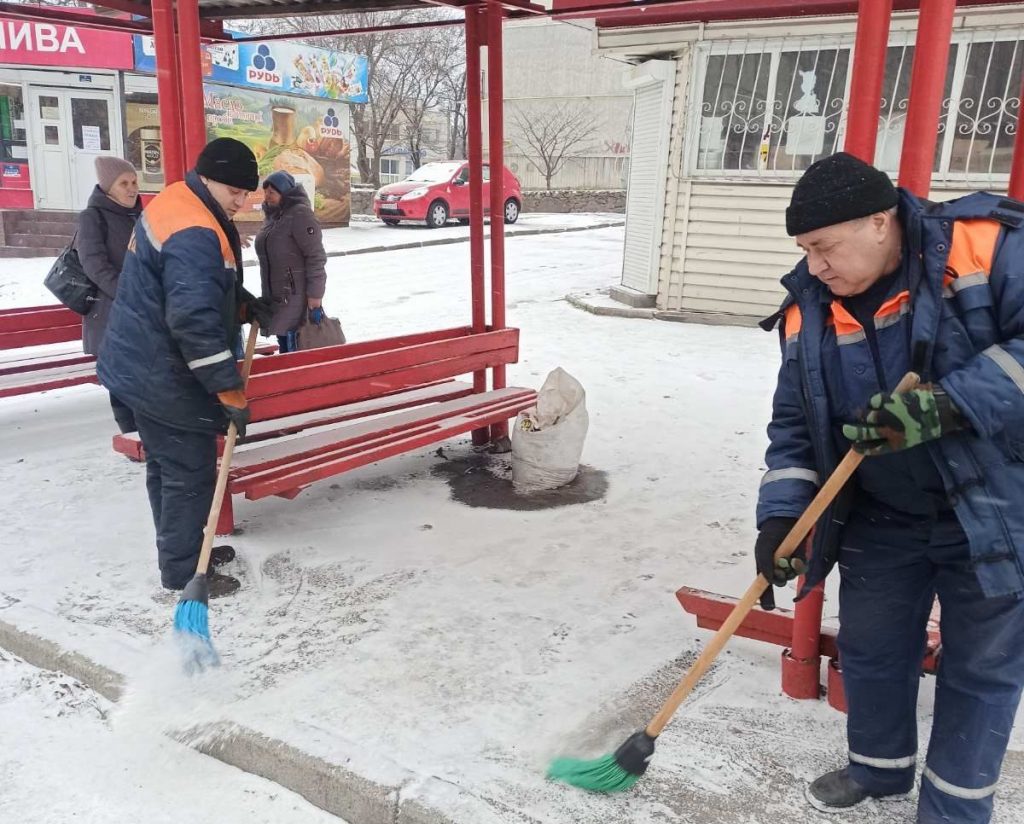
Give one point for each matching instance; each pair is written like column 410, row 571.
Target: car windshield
column 433, row 173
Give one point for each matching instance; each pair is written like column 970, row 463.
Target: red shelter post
column 868, row 73
column 801, row 663
column 1017, row 164
column 496, row 154
column 171, row 133
column 193, row 109
column 927, row 84
column 475, row 150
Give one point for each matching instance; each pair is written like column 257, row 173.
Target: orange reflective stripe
column 177, row 208
column 846, row 324
column 973, row 247
column 792, row 321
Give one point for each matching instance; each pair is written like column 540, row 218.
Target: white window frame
column 963, row 38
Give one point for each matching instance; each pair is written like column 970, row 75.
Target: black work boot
column 221, row 585
column 221, row 555
column 837, row 791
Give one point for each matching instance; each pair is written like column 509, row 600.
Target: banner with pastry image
column 303, row 136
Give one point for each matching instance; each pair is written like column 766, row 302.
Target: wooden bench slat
column 322, row 397
column 248, row 461
column 36, row 336
column 28, row 363
column 40, row 317
column 295, row 379
column 292, row 475
column 445, row 390
column 23, row 383
column 317, row 356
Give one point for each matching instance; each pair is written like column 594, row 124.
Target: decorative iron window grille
column 768, row 109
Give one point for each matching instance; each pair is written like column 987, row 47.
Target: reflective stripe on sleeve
column 210, row 359
column 793, row 473
column 958, row 792
column 1008, row 363
column 884, row 763
column 967, row 281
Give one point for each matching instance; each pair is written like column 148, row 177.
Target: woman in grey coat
column 104, row 228
column 291, row 252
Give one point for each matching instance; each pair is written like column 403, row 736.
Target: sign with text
column 49, row 44
column 277, row 67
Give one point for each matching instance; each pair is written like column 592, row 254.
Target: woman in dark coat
column 104, row 228
column 291, row 252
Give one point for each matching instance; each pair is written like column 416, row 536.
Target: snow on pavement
column 63, row 760
column 383, row 624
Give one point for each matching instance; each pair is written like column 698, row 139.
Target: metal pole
column 873, row 19
column 190, row 53
column 496, row 159
column 801, row 663
column 1016, row 189
column 474, row 132
column 171, row 132
column 927, row 84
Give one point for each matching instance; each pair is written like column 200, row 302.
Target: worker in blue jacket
column 890, row 284
column 169, row 352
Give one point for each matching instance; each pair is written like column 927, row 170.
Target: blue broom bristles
column 191, row 625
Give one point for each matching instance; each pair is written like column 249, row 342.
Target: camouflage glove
column 904, row 420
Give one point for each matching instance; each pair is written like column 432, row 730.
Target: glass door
column 89, row 123
column 50, row 148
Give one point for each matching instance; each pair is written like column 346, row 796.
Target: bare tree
column 435, row 58
column 453, row 102
column 549, row 135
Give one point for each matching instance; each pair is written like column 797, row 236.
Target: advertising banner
column 276, row 67
column 49, row 44
column 308, row 138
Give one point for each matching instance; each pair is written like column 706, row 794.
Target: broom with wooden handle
column 622, row 769
column 191, row 615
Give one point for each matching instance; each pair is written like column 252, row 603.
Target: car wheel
column 437, row 214
column 390, row 221
column 511, row 210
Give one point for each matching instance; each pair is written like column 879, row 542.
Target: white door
column 648, row 163
column 70, row 128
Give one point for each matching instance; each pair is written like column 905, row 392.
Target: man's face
column 229, row 198
column 850, row 257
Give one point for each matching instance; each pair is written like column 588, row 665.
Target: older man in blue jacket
column 169, row 349
column 890, row 284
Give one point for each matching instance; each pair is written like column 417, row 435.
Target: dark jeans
column 287, row 343
column 181, row 472
column 123, row 416
column 890, row 574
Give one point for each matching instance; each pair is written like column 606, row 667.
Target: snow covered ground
column 63, row 760
column 450, row 649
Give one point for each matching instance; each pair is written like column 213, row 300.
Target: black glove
column 773, row 532
column 237, row 410
column 252, row 308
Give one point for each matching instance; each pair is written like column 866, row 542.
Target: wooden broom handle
column 836, row 481
column 225, row 463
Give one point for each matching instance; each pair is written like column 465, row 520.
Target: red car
column 438, row 191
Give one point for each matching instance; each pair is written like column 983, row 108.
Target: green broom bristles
column 601, row 775
column 612, row 773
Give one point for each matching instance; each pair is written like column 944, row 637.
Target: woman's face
column 272, row 196
column 125, row 190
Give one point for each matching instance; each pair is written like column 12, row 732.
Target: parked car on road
column 439, row 191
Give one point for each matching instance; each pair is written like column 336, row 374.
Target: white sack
column 547, row 440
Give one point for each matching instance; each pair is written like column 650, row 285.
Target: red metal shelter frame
column 178, row 25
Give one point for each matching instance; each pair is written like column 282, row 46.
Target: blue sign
column 280, row 67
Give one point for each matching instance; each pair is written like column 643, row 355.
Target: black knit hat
column 838, row 188
column 230, row 162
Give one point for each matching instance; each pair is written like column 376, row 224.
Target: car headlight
column 415, row 193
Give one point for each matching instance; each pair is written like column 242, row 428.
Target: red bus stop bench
column 34, row 326
column 23, row 373
column 321, row 412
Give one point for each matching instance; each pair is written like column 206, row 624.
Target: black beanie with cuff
column 838, row 188
column 230, row 162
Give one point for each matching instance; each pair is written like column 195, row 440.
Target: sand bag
column 547, row 440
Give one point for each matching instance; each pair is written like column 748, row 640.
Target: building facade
column 727, row 116
column 561, row 94
column 71, row 93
